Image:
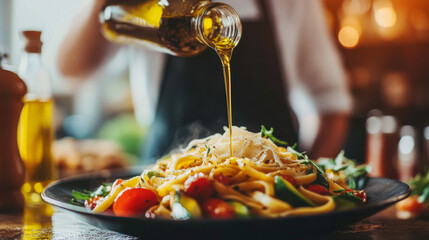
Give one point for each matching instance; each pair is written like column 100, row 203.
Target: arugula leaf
column 419, row 183
column 352, row 183
column 339, row 191
column 80, row 196
column 424, row 198
column 321, row 178
column 269, row 134
column 349, row 196
column 339, row 159
column 298, row 154
column 102, row 190
column 353, row 174
column 420, row 186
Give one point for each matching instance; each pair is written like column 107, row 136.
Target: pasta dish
column 259, row 179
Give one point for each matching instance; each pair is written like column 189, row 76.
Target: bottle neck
column 36, row 77
column 29, row 60
column 217, row 25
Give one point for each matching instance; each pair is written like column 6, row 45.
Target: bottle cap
column 33, row 43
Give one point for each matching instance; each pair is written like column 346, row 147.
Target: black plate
column 381, row 194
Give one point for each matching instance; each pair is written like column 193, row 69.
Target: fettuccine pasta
column 258, row 179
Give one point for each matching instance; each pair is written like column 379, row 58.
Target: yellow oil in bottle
column 35, row 137
column 155, row 28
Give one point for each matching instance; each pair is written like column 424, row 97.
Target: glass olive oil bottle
column 35, row 129
column 178, row 27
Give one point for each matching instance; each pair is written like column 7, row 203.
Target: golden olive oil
column 224, row 50
column 35, row 138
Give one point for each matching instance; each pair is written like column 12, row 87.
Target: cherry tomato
column 133, row 202
column 222, row 179
column 93, row 202
column 199, row 187
column 218, row 209
column 316, row 188
column 410, row 204
column 290, row 179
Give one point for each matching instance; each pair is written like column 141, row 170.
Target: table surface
column 44, row 222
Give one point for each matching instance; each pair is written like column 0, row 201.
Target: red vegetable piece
column 316, row 188
column 134, row 202
column 217, row 209
column 93, row 202
column 290, row 179
column 360, row 194
column 222, row 179
column 410, row 204
column 199, row 187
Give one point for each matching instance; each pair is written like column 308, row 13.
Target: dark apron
column 192, row 101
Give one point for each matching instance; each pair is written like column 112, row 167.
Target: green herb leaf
column 321, row 178
column 341, row 168
column 347, row 195
column 424, row 198
column 208, row 150
column 419, row 183
column 152, row 173
column 354, row 175
column 350, row 196
column 339, row 159
column 339, row 191
column 80, row 196
column 298, row 154
column 103, row 190
column 269, row 134
column 352, row 183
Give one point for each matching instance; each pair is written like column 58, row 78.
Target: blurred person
column 285, row 60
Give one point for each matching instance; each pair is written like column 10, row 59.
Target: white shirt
column 316, row 80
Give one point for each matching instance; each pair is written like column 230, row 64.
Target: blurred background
column 384, row 45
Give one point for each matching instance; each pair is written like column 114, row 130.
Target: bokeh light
column 348, row 36
column 385, row 17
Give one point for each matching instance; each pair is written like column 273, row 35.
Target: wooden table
column 45, row 222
